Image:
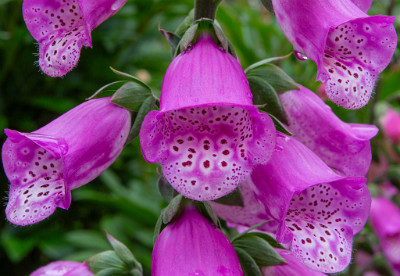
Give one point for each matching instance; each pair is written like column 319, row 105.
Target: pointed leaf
column 173, row 39
column 131, row 96
column 124, row 253
column 186, row 23
column 172, row 209
column 249, row 266
column 267, row 238
column 188, row 37
column 221, row 36
column 233, row 199
column 275, row 76
column 157, row 228
column 265, row 95
column 105, row 260
column 104, row 92
column 129, row 76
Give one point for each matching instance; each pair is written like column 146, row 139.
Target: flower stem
column 205, row 9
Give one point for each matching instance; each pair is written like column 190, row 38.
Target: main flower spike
column 207, row 135
column 292, row 267
column 62, row 27
column 191, row 245
column 385, row 220
column 317, row 211
column 342, row 146
column 63, row 268
column 390, row 123
column 349, row 47
column 45, row 165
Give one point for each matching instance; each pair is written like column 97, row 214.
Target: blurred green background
column 124, row 200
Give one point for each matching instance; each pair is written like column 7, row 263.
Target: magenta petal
column 63, row 268
column 385, row 220
column 349, row 47
column 292, row 267
column 45, row 165
column 191, row 245
column 62, row 27
column 344, row 147
column 390, row 123
column 318, row 210
column 363, row 5
column 207, row 135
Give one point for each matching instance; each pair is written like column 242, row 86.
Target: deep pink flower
column 62, row 27
column 385, row 220
column 191, row 245
column 292, row 267
column 315, row 211
column 390, row 123
column 63, row 268
column 207, row 135
column 349, row 47
column 45, row 165
column 342, row 146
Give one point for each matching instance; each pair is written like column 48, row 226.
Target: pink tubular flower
column 316, row 212
column 292, row 267
column 63, row 268
column 349, row 47
column 191, row 245
column 385, row 220
column 208, row 134
column 342, row 146
column 390, row 123
column 62, row 27
column 45, row 165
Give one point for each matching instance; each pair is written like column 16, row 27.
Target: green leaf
column 165, row 188
column 129, row 76
column 260, row 250
column 147, row 106
column 106, row 260
column 131, row 95
column 265, row 61
column 111, row 272
column 157, row 228
column 249, row 266
column 275, row 76
column 267, row 238
column 106, row 90
column 233, row 199
column 265, row 95
column 124, row 253
column 188, row 37
column 186, row 23
column 171, row 210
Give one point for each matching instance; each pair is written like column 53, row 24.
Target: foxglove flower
column 45, row 165
column 191, row 245
column 385, row 220
column 349, row 47
column 207, row 135
column 317, row 211
column 63, row 268
column 390, row 123
column 292, row 267
column 342, row 146
column 62, row 27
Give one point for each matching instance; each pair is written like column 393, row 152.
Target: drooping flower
column 390, row 123
column 349, row 47
column 207, row 135
column 292, row 267
column 45, row 165
column 191, row 245
column 62, row 27
column 342, row 146
column 63, row 268
column 385, row 220
column 316, row 211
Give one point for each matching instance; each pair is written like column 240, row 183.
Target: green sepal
column 186, row 23
column 148, row 105
column 259, row 249
column 166, row 190
column 279, row 126
column 268, row 239
column 124, row 254
column 107, row 90
column 265, row 96
column 173, row 39
column 275, row 76
column 235, row 198
column 105, row 261
column 206, row 210
column 187, row 39
column 268, row 5
column 249, row 266
column 131, row 95
column 129, row 77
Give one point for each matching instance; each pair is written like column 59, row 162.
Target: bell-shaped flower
column 192, row 245
column 342, row 146
column 45, row 165
column 63, row 268
column 207, row 135
column 292, row 267
column 385, row 220
column 316, row 211
column 390, row 123
column 62, row 27
column 349, row 47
